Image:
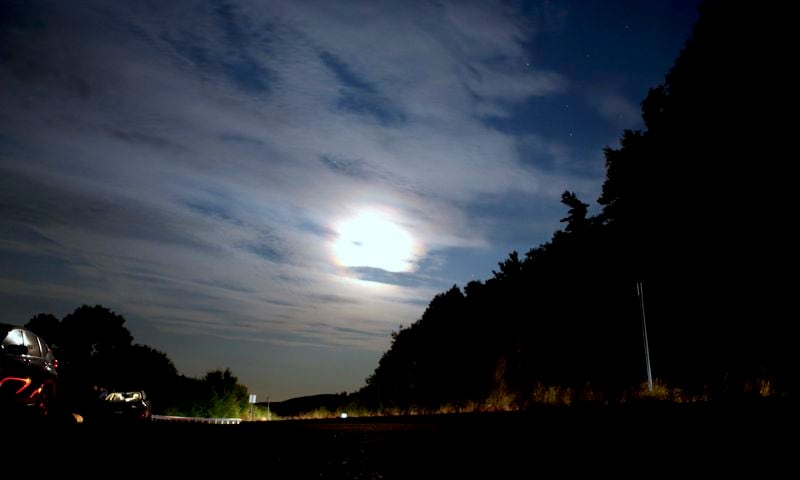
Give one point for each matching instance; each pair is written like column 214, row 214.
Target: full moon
column 372, row 240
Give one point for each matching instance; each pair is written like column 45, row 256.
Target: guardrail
column 221, row 421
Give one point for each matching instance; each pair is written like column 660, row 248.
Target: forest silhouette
column 694, row 206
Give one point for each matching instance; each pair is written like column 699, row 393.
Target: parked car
column 130, row 405
column 27, row 372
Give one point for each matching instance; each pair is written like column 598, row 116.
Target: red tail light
column 36, row 392
column 24, row 381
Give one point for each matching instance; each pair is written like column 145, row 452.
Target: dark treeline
column 96, row 352
column 694, row 206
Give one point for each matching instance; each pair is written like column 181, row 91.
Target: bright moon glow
column 371, row 240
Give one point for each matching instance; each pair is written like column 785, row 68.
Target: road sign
column 252, row 399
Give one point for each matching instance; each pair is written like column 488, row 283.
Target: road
column 633, row 441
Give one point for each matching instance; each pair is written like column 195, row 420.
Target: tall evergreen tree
column 695, row 207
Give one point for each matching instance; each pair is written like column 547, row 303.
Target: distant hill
column 294, row 407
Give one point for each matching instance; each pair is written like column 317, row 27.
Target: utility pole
column 251, row 401
column 640, row 293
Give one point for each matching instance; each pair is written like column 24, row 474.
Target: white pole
column 640, row 293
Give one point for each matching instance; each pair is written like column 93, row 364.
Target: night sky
column 276, row 186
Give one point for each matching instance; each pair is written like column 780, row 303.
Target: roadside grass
column 503, row 400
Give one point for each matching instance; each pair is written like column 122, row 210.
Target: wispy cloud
column 617, row 108
column 186, row 163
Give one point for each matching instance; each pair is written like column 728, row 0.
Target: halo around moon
column 371, row 239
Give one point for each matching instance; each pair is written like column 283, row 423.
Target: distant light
column 343, row 415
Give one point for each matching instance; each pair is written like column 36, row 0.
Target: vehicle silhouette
column 28, row 375
column 127, row 405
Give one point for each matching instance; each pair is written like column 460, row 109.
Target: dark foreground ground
column 623, row 442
